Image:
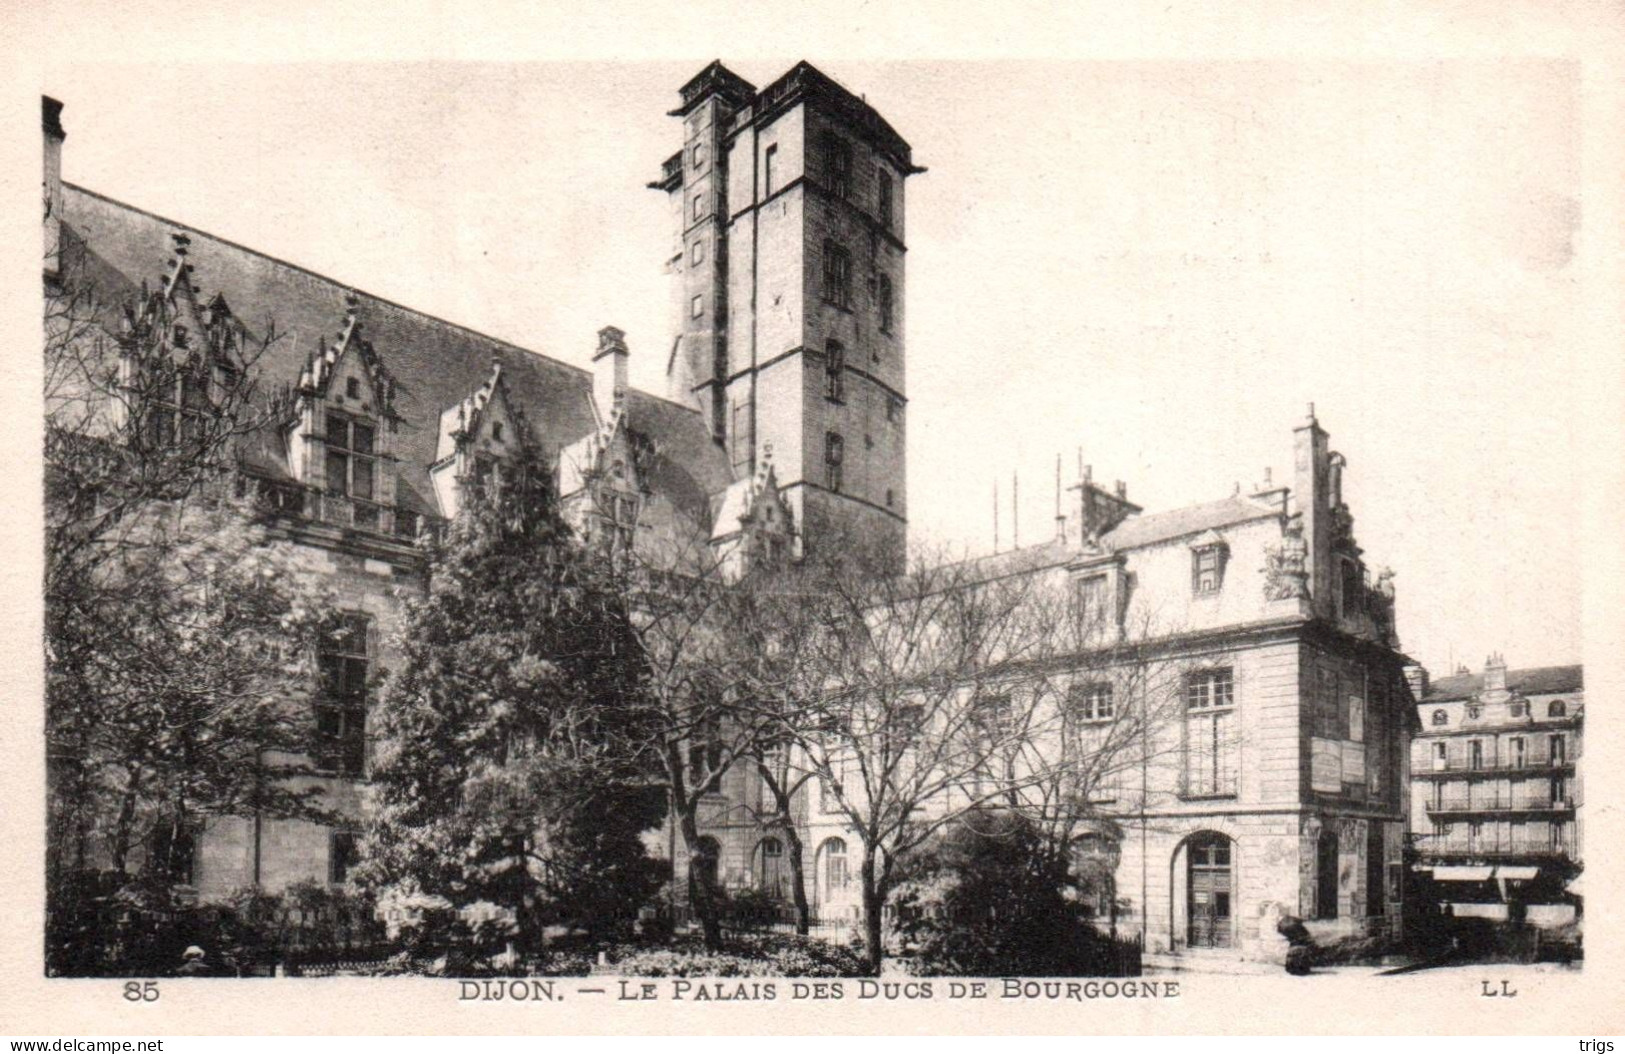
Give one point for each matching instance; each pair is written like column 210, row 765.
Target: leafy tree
column 176, row 631
column 502, row 773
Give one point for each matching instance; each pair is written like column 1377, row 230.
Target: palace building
column 1279, row 786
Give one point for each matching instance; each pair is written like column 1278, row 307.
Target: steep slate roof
column 1538, row 680
column 1151, row 528
column 437, row 364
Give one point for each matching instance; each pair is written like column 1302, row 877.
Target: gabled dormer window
column 1207, row 568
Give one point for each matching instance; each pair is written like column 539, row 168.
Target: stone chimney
column 51, row 124
column 1417, row 677
column 1099, row 509
column 1495, row 678
column 609, row 371
column 1311, row 461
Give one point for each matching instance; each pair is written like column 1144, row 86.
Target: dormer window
column 1440, row 718
column 1207, row 568
column 1520, row 709
column 496, row 431
column 1557, row 708
column 180, row 338
column 352, row 466
column 352, row 388
column 1475, row 712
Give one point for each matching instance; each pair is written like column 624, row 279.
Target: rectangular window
column 696, row 253
column 837, row 276
column 343, row 852
column 1092, row 603
column 883, row 206
column 699, row 206
column 697, row 155
column 1210, row 765
column 696, row 307
column 834, row 453
column 341, row 707
column 1207, row 569
column 883, row 298
column 1559, row 749
column 834, row 371
column 351, row 454
column 1093, row 702
column 770, row 181
column 1518, row 753
column 1439, row 761
column 1475, row 754
column 838, row 157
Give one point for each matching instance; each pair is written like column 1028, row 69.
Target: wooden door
column 1211, row 892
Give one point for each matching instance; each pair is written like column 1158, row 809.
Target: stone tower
column 787, row 272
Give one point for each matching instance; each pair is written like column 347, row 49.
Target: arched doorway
column 770, row 866
column 1210, row 891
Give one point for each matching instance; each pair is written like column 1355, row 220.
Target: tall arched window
column 835, row 875
column 1440, row 718
column 834, row 371
column 770, row 866
column 1557, row 708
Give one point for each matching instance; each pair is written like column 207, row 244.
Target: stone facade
column 1276, row 784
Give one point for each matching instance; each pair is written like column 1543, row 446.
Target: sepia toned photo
column 753, row 530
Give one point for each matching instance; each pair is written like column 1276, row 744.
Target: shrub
column 757, row 955
column 985, row 898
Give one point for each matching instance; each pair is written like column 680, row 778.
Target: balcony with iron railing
column 1434, row 847
column 1499, row 803
column 1465, row 764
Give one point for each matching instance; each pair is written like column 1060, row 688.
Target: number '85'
column 141, row 991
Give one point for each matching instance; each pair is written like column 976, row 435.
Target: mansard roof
column 435, row 364
column 1156, row 527
column 1537, row 680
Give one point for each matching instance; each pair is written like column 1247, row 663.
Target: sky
column 1160, row 263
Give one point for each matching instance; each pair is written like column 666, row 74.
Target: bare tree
column 708, row 663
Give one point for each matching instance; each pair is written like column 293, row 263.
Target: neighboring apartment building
column 790, row 199
column 1496, row 790
column 1276, row 783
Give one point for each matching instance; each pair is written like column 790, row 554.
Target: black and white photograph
column 780, row 524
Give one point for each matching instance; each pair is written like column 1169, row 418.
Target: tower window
column 891, row 497
column 699, row 206
column 697, row 155
column 352, row 388
column 342, row 856
column 770, row 159
column 894, row 410
column 696, row 307
column 837, row 276
column 838, row 158
column 883, row 206
column 834, row 451
column 884, row 302
column 834, row 371
column 696, row 253
column 496, row 431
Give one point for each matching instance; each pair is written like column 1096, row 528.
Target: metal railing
column 1500, row 803
column 1462, row 764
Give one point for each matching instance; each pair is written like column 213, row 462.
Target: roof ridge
column 375, row 298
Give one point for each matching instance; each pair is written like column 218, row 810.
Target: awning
column 1462, row 873
column 1517, row 872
